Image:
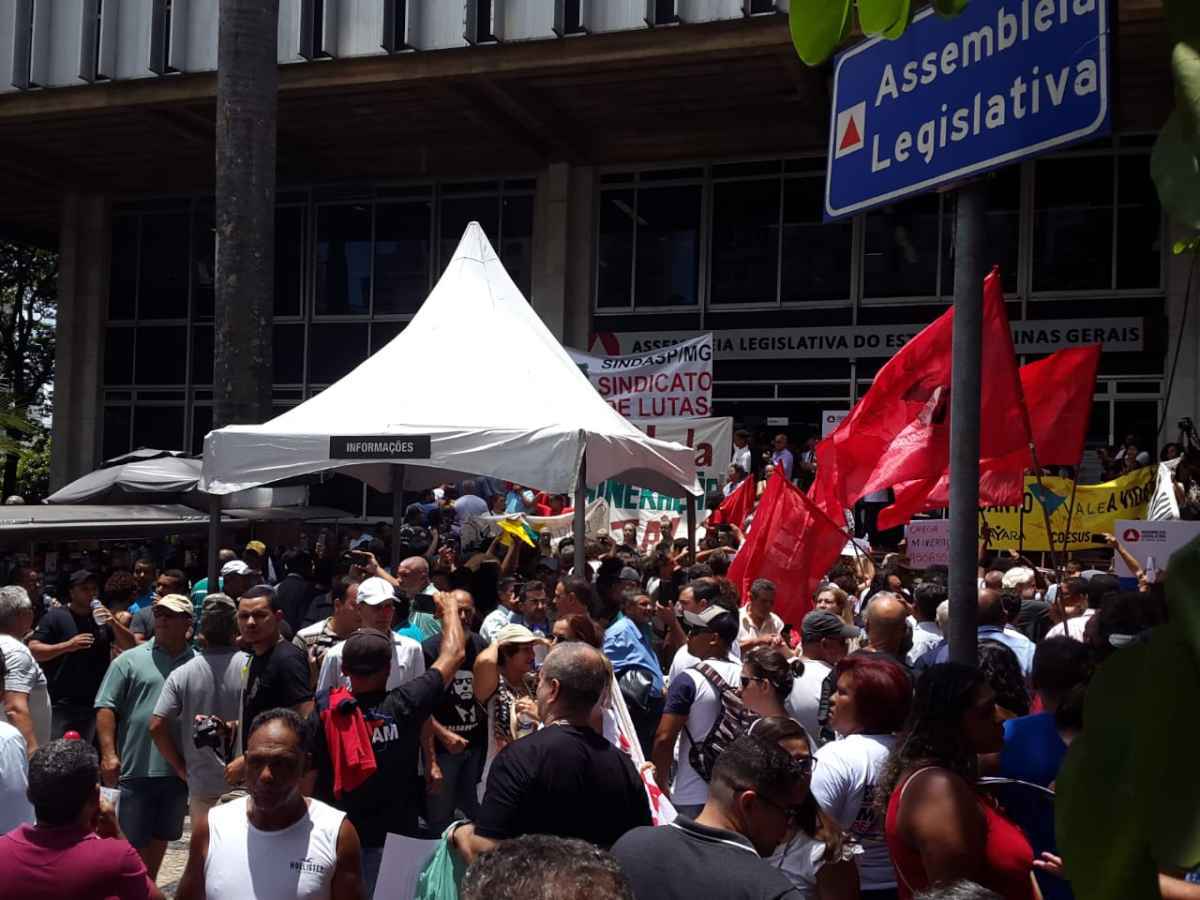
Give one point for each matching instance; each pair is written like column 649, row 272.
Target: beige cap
column 176, row 603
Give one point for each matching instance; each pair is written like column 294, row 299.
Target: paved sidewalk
column 174, row 860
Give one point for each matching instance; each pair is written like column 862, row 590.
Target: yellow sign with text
column 1096, row 509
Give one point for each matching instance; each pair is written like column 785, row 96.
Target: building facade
column 646, row 170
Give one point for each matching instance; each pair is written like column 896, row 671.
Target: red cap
column 72, row 736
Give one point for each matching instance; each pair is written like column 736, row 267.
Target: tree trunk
column 247, row 88
column 10, row 471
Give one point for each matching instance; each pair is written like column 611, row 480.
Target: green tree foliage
column 1175, row 163
column 33, row 467
column 819, row 26
column 27, row 305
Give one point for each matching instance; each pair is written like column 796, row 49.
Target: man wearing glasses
column 693, row 703
column 153, row 796
column 757, row 794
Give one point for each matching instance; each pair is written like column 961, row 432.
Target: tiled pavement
column 174, row 860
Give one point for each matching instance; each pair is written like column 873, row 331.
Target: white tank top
column 296, row 863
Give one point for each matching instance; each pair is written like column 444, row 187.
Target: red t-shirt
column 53, row 863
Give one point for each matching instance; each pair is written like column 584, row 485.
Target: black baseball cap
column 367, row 652
column 821, row 623
column 82, row 576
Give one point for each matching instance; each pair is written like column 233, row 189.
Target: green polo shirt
column 130, row 689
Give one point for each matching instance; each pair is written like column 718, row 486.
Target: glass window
column 202, row 422
column 745, row 242
column 159, row 427
column 118, row 356
column 383, row 332
column 615, row 252
column 901, row 249
column 203, row 351
column 161, row 356
column 668, row 246
column 163, row 288
column 288, row 353
column 1139, row 225
column 122, row 281
column 289, row 259
column 204, row 262
column 117, row 420
column 516, row 251
column 343, row 260
column 1073, row 224
column 333, row 350
column 816, row 257
column 1001, row 228
column 459, row 212
column 402, row 251
column 1139, row 418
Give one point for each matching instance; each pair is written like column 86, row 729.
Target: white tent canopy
column 476, row 384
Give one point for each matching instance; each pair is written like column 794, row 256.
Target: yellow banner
column 1096, row 509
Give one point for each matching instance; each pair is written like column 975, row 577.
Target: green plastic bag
column 442, row 874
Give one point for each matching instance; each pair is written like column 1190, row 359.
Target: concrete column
column 1185, row 393
column 563, row 251
column 84, row 248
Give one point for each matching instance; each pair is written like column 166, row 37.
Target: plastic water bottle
column 99, row 613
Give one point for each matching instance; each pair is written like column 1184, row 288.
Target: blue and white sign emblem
column 1006, row 80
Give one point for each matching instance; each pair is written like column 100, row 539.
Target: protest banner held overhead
column 1097, row 509
column 670, row 382
column 712, row 440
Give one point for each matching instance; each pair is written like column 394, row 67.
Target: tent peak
column 474, row 245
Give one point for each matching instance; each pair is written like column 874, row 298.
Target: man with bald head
column 564, row 780
column 886, row 621
column 991, row 623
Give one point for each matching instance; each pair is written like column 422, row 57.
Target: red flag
column 900, row 430
column 1058, row 394
column 734, row 508
column 791, row 542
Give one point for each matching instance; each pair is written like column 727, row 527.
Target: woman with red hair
column 869, row 705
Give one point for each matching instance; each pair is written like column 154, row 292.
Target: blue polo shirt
column 627, row 647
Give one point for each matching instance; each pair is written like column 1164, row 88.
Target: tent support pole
column 691, row 527
column 214, row 540
column 580, row 524
column 397, row 511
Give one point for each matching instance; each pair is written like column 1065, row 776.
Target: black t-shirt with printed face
column 565, row 781
column 74, row 678
column 458, row 709
column 276, row 678
column 390, row 799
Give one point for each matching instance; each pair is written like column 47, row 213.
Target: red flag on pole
column 734, row 508
column 1058, row 395
column 792, row 543
column 900, row 430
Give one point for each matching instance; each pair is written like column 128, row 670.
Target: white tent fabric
column 478, row 372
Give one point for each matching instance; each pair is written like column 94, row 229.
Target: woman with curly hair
column 939, row 827
column 1002, row 670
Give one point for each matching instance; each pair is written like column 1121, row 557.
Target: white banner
column 831, row 419
column 1152, row 543
column 854, row 341
column 671, row 382
column 928, row 543
column 712, row 440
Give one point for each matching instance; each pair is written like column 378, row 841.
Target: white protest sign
column 928, row 543
column 1155, row 541
column 712, row 439
column 404, row 859
column 671, row 382
column 831, row 419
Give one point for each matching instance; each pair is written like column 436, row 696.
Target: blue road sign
column 1006, row 80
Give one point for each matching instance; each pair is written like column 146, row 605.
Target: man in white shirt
column 15, row 808
column 23, row 688
column 696, row 597
column 925, row 631
column 741, row 451
column 823, row 638
column 508, row 606
column 1073, row 598
column 377, row 609
column 782, row 456
column 758, row 625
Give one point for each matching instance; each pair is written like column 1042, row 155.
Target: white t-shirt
column 925, row 636
column 692, row 695
column 805, row 699
column 741, row 457
column 296, row 863
column 407, row 663
column 843, row 784
column 748, row 631
column 25, row 676
column 684, row 660
column 1072, row 628
column 799, row 859
column 15, row 808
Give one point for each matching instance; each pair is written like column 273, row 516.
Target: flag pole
column 966, row 356
column 1070, row 515
column 1037, row 473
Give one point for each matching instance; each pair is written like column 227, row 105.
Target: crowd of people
column 639, row 728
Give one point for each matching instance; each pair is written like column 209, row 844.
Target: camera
column 1186, row 426
column 209, row 731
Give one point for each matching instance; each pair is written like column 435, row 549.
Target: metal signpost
column 950, row 99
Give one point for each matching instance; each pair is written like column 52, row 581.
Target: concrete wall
column 1184, row 399
column 562, row 251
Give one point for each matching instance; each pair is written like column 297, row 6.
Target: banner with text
column 928, row 542
column 1153, row 543
column 669, row 382
column 712, row 439
column 1097, row 509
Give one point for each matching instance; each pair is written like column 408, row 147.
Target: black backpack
column 734, row 720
